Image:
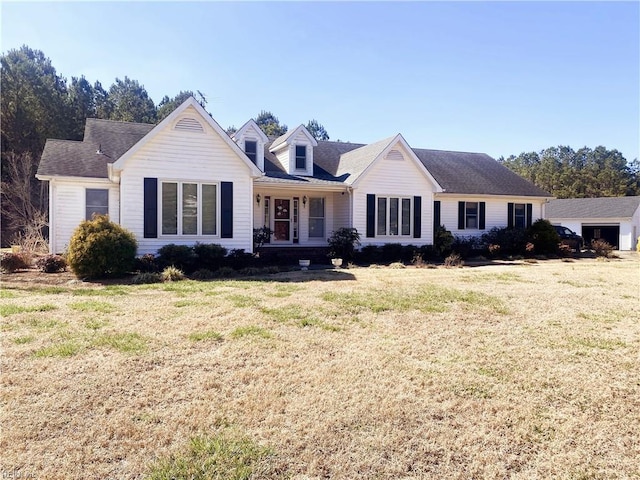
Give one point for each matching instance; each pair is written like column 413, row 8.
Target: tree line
column 586, row 172
column 38, row 103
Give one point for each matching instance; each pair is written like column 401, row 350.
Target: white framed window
column 471, row 215
column 251, row 150
column 301, row 157
column 96, row 201
column 393, row 216
column 189, row 208
column 316, row 217
column 519, row 215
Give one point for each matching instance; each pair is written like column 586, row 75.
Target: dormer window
column 301, row 157
column 251, row 150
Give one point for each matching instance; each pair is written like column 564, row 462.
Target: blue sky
column 493, row 77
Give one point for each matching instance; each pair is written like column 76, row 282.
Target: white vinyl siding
column 184, row 157
column 400, row 178
column 68, row 207
column 496, row 213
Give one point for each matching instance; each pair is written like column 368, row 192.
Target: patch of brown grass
column 522, row 371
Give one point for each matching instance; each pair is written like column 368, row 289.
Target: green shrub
column 146, row 277
column 391, row 252
column 209, row 255
column 225, row 272
column 442, row 240
column 544, row 237
column 203, row 274
column 601, row 248
column 182, row 257
column 343, row 243
column 12, row 262
column 466, row 246
column 101, row 248
column 511, row 241
column 239, row 259
column 146, row 263
column 369, row 254
column 172, row 274
column 52, row 264
column 260, row 237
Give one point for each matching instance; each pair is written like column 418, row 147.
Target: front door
column 282, row 220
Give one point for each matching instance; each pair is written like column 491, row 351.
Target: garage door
column 610, row 233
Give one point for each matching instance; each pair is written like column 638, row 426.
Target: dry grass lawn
column 501, row 371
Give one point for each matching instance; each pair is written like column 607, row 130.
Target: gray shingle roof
column 475, row 173
column 79, row 159
column 603, row 207
column 334, row 162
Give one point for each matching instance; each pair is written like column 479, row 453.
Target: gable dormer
column 251, row 140
column 294, row 151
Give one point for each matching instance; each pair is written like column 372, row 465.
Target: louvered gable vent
column 394, row 155
column 188, row 124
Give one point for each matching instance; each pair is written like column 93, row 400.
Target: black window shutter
column 371, row 215
column 510, row 215
column 150, row 208
column 481, row 215
column 417, row 217
column 226, row 207
column 529, row 214
column 461, row 222
column 436, row 216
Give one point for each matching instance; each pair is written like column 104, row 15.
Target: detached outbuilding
column 614, row 219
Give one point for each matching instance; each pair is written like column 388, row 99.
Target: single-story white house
column 614, row 219
column 185, row 180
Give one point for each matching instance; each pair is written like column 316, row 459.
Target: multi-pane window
column 301, row 157
column 96, row 201
column 189, row 208
column 251, row 149
column 393, row 216
column 471, row 215
column 316, row 217
column 519, row 215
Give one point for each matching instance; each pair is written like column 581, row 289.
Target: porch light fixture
column 258, row 198
column 304, row 201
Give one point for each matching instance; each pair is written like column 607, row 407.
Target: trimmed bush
column 391, row 252
column 146, row 263
column 101, row 248
column 182, row 257
column 12, row 262
column 442, row 241
column 209, row 255
column 544, row 237
column 146, row 277
column 511, row 241
column 52, row 264
column 203, row 274
column 239, row 259
column 465, row 246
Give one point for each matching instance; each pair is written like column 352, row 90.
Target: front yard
column 523, row 370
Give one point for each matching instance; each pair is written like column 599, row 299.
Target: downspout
column 350, row 193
